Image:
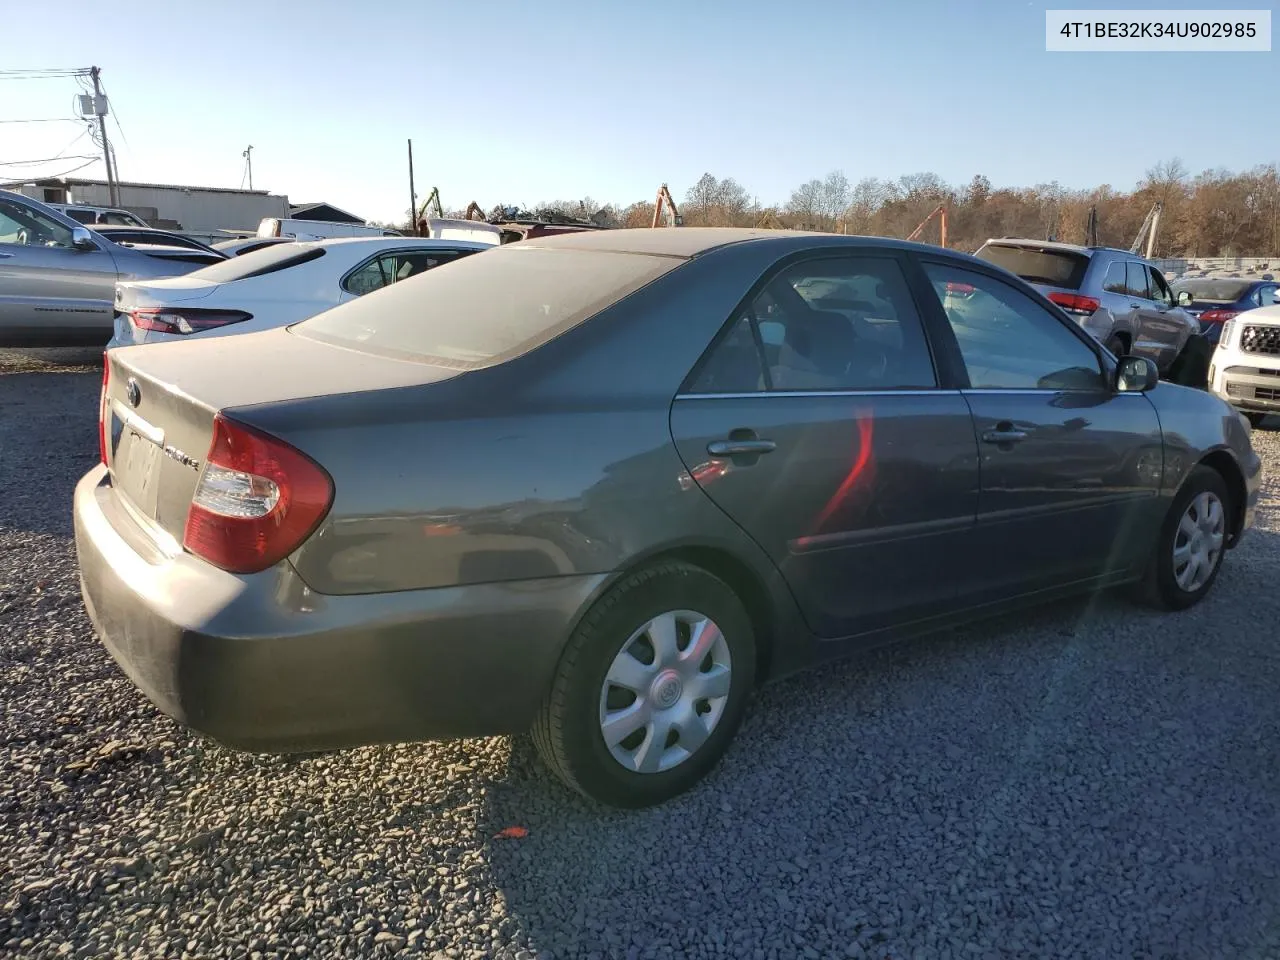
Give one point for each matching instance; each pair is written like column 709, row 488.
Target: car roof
column 686, row 242
column 1056, row 245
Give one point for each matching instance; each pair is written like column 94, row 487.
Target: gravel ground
column 1093, row 780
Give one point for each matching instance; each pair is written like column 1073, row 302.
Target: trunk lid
column 148, row 294
column 161, row 399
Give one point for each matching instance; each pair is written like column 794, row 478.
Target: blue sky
column 520, row 102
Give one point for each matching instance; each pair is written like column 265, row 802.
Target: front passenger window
column 1159, row 289
column 1137, row 282
column 1007, row 340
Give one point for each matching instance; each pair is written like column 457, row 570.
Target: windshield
column 1210, row 288
column 487, row 308
column 1056, row 268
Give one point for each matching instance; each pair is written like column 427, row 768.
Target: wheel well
column 1226, row 466
column 744, row 582
column 1125, row 337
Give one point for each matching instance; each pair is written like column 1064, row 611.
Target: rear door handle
column 740, row 448
column 5, row 256
column 1004, row 436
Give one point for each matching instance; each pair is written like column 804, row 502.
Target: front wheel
column 1191, row 368
column 650, row 689
column 1118, row 345
column 1192, row 542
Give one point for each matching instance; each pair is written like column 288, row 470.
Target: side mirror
column 82, row 239
column 1136, row 375
column 1184, row 298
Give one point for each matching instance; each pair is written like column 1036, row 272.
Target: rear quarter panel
column 556, row 463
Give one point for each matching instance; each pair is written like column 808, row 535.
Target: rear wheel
column 650, row 689
column 1192, row 542
column 1191, row 368
column 1118, row 345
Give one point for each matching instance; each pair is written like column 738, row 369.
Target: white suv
column 1246, row 366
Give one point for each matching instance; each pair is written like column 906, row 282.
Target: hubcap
column 665, row 691
column 1197, row 546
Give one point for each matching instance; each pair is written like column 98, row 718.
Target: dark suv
column 1121, row 299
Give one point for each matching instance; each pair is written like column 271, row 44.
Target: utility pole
column 100, row 110
column 413, row 196
column 248, row 160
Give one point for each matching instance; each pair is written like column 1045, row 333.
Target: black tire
column 1191, row 367
column 567, row 730
column 1118, row 345
column 1255, row 419
column 1160, row 587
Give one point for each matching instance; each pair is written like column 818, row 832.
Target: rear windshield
column 280, row 256
column 1056, row 268
column 1226, row 291
column 488, row 308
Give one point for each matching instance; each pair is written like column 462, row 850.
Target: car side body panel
column 1196, row 425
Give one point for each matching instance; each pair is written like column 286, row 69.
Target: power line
column 115, row 115
column 60, row 155
column 19, row 163
column 40, row 74
column 45, row 120
column 64, row 173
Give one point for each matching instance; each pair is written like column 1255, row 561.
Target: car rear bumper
column 262, row 663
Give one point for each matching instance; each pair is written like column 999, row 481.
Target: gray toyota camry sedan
column 600, row 486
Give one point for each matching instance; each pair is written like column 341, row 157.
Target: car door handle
column 5, row 256
column 1004, row 436
column 740, row 448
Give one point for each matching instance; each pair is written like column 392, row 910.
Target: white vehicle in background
column 273, row 287
column 449, row 228
column 318, row 229
column 92, row 216
column 1245, row 370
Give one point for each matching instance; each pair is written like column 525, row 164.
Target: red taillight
column 955, row 289
column 185, row 321
column 1075, row 304
column 1218, row 316
column 257, row 500
column 102, row 409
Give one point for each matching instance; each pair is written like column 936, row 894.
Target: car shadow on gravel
column 48, row 435
column 1090, row 778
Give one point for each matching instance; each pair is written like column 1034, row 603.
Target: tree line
column 1217, row 213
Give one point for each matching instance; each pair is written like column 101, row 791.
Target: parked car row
column 1121, row 299
column 58, row 277
column 600, row 486
column 62, row 283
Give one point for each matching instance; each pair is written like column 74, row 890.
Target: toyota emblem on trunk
column 133, row 392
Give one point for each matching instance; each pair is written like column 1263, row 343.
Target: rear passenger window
column 839, row 324
column 1136, row 286
column 1117, row 281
